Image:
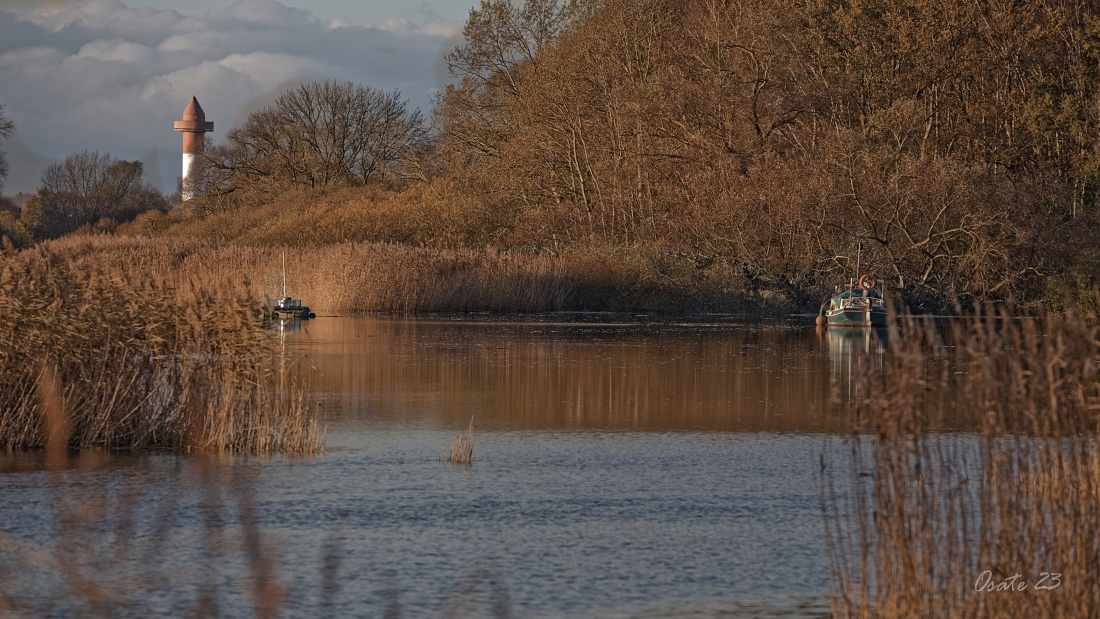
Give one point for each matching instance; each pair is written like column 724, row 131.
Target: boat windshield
column 874, row 294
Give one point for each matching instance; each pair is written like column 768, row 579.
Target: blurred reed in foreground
column 923, row 522
column 158, row 541
column 91, row 356
column 158, row 535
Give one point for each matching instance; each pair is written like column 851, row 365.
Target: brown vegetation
column 86, row 190
column 918, row 515
column 6, row 128
column 462, row 448
column 316, row 135
column 375, row 277
column 732, row 145
column 957, row 140
column 422, row 215
column 92, row 356
column 729, row 145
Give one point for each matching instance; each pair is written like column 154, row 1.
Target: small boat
column 286, row 309
column 289, row 309
column 858, row 304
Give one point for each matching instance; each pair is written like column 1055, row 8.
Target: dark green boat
column 859, row 304
column 287, row 309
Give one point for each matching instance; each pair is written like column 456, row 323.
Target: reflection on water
column 850, row 348
column 629, row 469
column 651, row 377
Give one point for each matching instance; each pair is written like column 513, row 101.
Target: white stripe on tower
column 193, row 126
column 189, row 160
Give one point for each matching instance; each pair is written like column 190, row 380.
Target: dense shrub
column 84, row 189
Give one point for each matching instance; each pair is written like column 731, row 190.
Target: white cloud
column 101, row 75
column 267, row 12
column 270, row 70
column 117, row 49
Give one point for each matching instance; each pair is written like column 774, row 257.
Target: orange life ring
column 867, row 282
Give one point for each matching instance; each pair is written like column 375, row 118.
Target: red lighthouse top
column 194, row 119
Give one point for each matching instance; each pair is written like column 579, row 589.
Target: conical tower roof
column 194, row 110
column 194, row 119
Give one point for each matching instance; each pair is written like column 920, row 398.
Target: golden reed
column 462, row 448
column 337, row 279
column 972, row 476
column 353, row 277
column 95, row 356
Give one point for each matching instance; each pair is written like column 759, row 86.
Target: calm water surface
column 621, row 469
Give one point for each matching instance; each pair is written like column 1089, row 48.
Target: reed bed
column 346, row 278
column 94, row 357
column 462, row 448
column 1001, row 521
column 350, row 278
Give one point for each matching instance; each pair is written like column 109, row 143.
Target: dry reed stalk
column 462, row 448
column 921, row 513
column 137, row 364
column 377, row 277
column 55, row 422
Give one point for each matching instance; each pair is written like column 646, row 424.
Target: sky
column 112, row 76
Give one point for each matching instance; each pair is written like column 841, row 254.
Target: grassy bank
column 92, row 355
column 933, row 524
column 382, row 277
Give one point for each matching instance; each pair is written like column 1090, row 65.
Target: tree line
column 317, row 136
column 955, row 141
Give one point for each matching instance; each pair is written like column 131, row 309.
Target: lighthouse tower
column 193, row 125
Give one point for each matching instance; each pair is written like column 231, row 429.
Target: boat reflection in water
column 285, row 326
column 850, row 352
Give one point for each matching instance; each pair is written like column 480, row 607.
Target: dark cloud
column 101, row 75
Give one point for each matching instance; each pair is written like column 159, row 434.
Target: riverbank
column 347, row 278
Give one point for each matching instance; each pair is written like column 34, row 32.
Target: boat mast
column 851, row 283
column 284, row 273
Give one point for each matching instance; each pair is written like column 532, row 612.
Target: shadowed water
column 620, row 469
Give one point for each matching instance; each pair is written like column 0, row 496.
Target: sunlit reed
column 927, row 522
column 92, row 356
column 462, row 448
column 351, row 277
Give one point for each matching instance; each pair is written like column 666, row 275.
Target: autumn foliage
column 747, row 147
column 957, row 141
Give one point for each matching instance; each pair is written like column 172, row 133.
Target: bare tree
column 316, row 135
column 86, row 187
column 958, row 141
column 504, row 39
column 6, row 127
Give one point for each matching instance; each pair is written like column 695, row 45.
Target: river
column 624, row 466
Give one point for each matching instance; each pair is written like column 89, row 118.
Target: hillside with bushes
column 738, row 150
